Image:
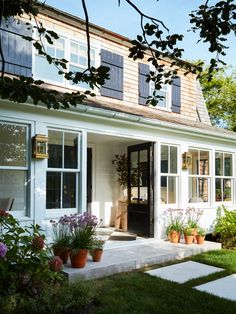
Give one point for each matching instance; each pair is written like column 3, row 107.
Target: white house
column 178, row 159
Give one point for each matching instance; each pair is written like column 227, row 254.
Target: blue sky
column 125, row 21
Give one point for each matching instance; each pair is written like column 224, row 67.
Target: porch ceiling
column 101, row 138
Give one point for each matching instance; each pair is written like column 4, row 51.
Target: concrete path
column 184, row 272
column 122, row 256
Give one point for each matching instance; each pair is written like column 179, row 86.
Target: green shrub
column 226, row 227
column 25, row 269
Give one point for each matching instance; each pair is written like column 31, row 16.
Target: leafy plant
column 188, row 231
column 201, row 231
column 97, row 244
column 61, row 232
column 24, row 259
column 192, row 216
column 174, row 218
column 226, row 227
column 121, row 163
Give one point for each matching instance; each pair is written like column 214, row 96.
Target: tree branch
column 87, row 32
column 1, row 51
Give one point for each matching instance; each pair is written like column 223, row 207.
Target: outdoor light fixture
column 40, row 146
column 186, row 160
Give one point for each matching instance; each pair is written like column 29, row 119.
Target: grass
column 137, row 292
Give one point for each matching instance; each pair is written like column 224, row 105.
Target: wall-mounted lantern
column 186, row 161
column 40, row 146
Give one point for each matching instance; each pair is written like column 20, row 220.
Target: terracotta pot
column 62, row 253
column 174, row 236
column 200, row 239
column 96, row 255
column 79, row 259
column 189, row 239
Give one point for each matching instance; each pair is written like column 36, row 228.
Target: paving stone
column 183, row 272
column 223, row 287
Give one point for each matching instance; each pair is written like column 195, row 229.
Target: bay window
column 63, row 170
column 14, row 164
column 223, row 176
column 169, row 174
column 199, row 176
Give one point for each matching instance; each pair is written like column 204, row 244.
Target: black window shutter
column 17, row 51
column 176, row 95
column 143, row 70
column 114, row 86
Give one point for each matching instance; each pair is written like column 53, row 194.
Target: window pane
column 134, row 195
column 163, row 190
column 171, row 190
column 218, row 190
column 53, row 188
column 164, row 159
column 80, row 84
column 198, row 190
column 227, row 192
column 228, row 164
column 70, row 150
column 143, row 195
column 204, row 163
column 218, row 164
column 74, row 52
column 55, row 149
column 13, row 183
column 46, row 71
column 162, row 102
column 173, row 159
column 203, row 189
column 13, row 145
column 83, row 56
column 60, row 48
column 194, row 168
column 69, row 190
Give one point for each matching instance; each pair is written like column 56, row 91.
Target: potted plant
column 174, row 219
column 121, row 163
column 189, row 234
column 200, row 237
column 96, row 250
column 82, row 232
column 192, row 218
column 61, row 238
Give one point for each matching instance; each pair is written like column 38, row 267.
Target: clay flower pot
column 79, row 258
column 200, row 239
column 97, row 255
column 189, row 239
column 63, row 253
column 174, row 236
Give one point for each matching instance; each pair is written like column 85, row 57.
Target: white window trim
column 66, row 83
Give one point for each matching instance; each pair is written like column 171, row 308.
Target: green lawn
column 136, row 292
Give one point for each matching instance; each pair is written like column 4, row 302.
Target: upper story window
column 63, row 170
column 169, row 174
column 223, row 176
column 14, row 165
column 63, row 48
column 164, row 102
column 199, row 176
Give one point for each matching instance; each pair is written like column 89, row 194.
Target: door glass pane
column 13, row 183
column 171, row 190
column 173, row 159
column 218, row 164
column 143, row 168
column 70, row 150
column 53, row 188
column 13, row 145
column 218, row 194
column 134, row 180
column 227, row 186
column 164, row 159
column 69, row 193
column 228, row 165
column 143, row 195
column 134, row 195
column 55, row 149
column 204, row 163
column 163, row 190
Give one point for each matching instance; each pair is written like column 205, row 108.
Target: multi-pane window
column 169, row 174
column 63, row 170
column 199, row 176
column 223, row 176
column 14, row 164
column 163, row 95
column 45, row 71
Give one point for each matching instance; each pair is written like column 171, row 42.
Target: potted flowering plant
column 174, row 219
column 192, row 219
column 200, row 237
column 82, row 228
column 96, row 250
column 61, row 237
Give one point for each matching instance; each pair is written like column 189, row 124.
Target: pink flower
column 3, row 249
column 55, row 264
column 38, row 243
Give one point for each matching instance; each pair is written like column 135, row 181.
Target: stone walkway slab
column 223, row 287
column 183, row 272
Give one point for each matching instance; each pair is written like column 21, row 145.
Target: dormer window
column 165, row 96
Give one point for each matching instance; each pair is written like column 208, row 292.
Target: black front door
column 89, row 179
column 140, row 189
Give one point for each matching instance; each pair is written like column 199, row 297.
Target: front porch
column 123, row 256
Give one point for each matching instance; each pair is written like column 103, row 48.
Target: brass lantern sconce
column 186, row 161
column 40, row 146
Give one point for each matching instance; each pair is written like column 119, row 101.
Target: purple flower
column 3, row 249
